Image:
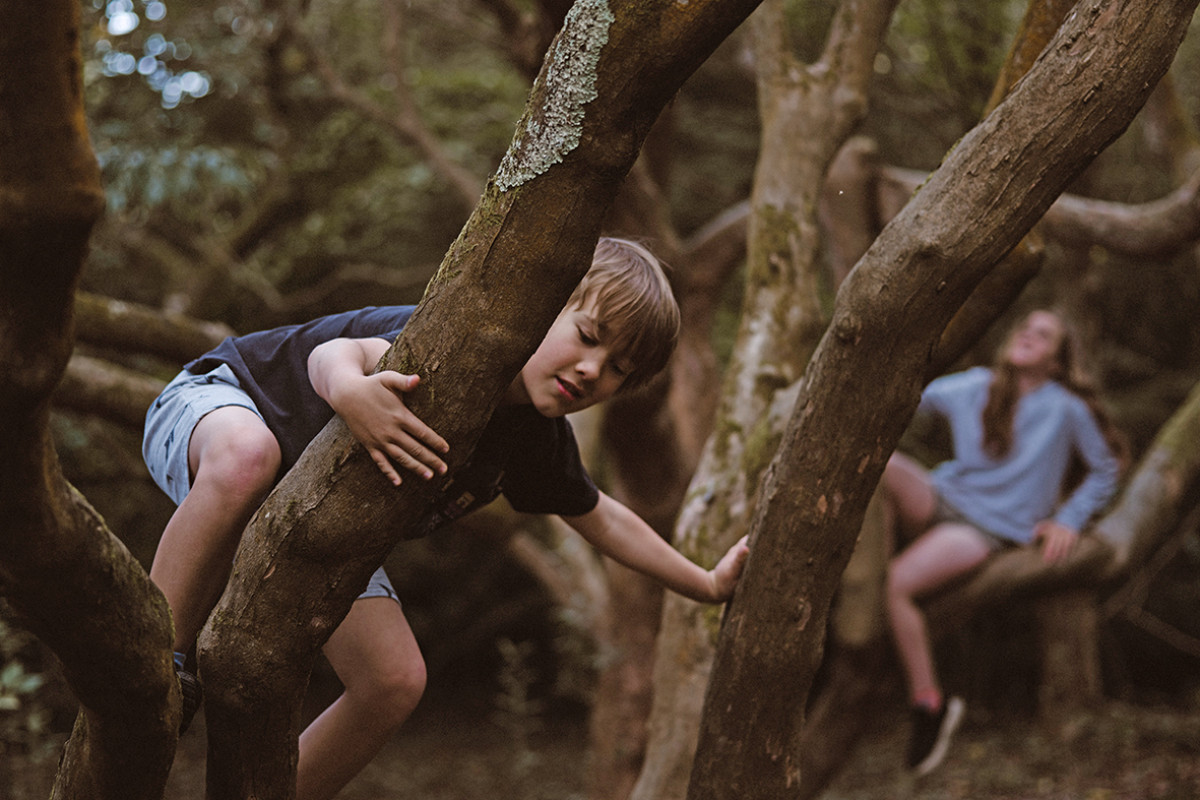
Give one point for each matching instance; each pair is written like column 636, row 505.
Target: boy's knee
column 394, row 694
column 242, row 465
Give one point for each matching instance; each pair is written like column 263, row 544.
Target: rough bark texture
column 1159, row 491
column 512, row 268
column 807, row 113
column 1001, row 176
column 1041, row 21
column 69, row 580
column 1069, row 635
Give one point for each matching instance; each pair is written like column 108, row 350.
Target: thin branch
column 405, row 121
column 1152, row 625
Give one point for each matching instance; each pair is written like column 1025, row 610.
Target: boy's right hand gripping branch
column 724, row 576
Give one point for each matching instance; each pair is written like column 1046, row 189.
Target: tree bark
column 93, row 386
column 69, row 580
column 610, row 71
column 1158, row 492
column 990, row 190
column 1068, row 638
column 817, row 106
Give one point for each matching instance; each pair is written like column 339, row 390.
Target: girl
column 1016, row 429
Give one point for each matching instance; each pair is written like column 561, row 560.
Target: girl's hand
column 1057, row 540
column 724, row 576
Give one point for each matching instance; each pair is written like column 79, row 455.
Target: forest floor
column 461, row 751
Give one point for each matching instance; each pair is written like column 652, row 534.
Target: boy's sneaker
column 193, row 693
column 931, row 734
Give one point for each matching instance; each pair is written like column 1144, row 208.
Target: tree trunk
column 610, row 71
column 1069, row 641
column 864, row 381
column 69, row 580
column 817, row 107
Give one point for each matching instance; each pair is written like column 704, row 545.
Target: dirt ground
column 464, row 751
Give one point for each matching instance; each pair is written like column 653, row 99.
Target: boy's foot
column 193, row 693
column 931, row 734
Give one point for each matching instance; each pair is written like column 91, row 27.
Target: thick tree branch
column 94, row 386
column 132, row 328
column 70, row 581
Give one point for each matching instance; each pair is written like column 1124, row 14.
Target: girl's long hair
column 1072, row 375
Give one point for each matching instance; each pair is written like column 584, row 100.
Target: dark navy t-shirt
column 533, row 460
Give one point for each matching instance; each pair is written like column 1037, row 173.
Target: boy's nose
column 589, row 366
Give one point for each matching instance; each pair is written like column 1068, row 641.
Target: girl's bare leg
column 946, row 552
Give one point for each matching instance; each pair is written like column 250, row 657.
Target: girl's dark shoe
column 931, row 735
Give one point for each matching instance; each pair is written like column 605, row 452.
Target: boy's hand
column 724, row 576
column 374, row 410
column 372, row 406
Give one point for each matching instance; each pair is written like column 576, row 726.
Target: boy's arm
column 623, row 536
column 372, row 405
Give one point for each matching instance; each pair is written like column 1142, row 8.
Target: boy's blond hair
column 634, row 304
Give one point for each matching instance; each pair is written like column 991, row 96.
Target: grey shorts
column 943, row 512
column 173, row 417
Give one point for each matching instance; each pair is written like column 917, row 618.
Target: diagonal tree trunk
column 610, row 71
column 69, row 580
column 860, row 646
column 807, row 113
column 869, row 368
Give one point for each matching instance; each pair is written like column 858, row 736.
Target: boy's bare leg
column 234, row 459
column 375, row 655
column 944, row 553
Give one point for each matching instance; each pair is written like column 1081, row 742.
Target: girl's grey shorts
column 170, row 421
column 945, row 512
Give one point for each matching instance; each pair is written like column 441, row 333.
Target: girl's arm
column 623, row 536
column 1103, row 471
column 1058, row 534
column 372, row 406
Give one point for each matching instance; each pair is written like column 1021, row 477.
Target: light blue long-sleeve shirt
column 1010, row 495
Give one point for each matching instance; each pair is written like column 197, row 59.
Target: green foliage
column 348, row 189
column 935, row 74
column 714, row 130
column 23, row 717
column 149, row 179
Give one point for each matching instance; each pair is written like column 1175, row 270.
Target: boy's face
column 573, row 367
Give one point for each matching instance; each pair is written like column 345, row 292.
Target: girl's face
column 573, row 368
column 1034, row 346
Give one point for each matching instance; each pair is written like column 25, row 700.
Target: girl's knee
column 894, row 586
column 901, row 581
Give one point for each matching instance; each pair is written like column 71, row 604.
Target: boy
column 236, row 419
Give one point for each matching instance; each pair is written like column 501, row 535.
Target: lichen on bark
column 554, row 127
